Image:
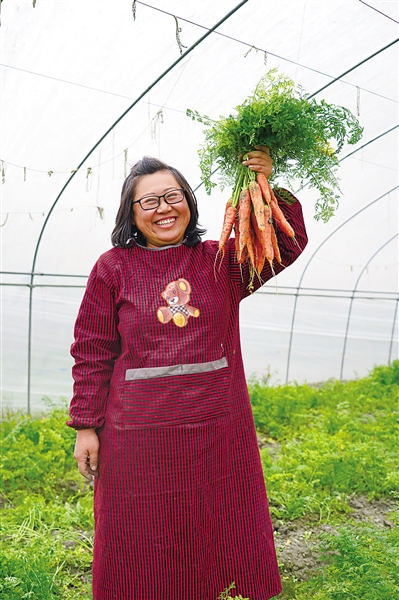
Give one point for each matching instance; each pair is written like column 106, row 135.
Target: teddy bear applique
column 177, row 295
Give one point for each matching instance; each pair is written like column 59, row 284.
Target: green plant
column 322, row 446
column 225, row 595
column 46, row 517
column 327, row 444
column 360, row 562
column 297, row 129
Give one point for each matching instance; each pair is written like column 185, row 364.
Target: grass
column 321, row 447
column 46, row 516
column 360, row 562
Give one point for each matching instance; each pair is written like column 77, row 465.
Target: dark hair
column 124, row 230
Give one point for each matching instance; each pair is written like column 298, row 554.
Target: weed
column 327, row 444
column 225, row 595
column 361, row 562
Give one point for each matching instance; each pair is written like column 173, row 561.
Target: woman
column 161, row 405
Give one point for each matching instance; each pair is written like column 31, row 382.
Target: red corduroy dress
column 180, row 504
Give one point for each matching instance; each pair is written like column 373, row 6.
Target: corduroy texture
column 180, row 504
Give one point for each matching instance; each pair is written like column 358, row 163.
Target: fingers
column 259, row 160
column 88, row 466
column 86, row 470
column 86, row 452
column 264, row 149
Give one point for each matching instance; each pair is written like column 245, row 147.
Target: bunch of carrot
column 252, row 212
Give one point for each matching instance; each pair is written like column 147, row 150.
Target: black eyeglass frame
column 159, row 198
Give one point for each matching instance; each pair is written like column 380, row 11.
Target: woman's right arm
column 95, row 349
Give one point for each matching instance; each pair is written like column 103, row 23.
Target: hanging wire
column 250, row 48
column 178, row 32
column 379, row 11
column 359, row 64
column 177, row 61
column 229, row 37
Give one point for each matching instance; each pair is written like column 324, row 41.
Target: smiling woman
column 134, row 221
column 167, row 223
column 160, row 402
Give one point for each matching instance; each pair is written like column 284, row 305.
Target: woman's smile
column 166, row 222
column 165, row 225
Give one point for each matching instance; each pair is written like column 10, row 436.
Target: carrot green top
column 304, row 137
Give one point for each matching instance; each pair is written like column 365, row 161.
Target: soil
column 297, row 541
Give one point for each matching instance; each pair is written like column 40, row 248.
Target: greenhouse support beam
column 353, row 296
column 148, row 89
column 393, row 332
column 377, row 137
column 355, row 67
column 310, row 260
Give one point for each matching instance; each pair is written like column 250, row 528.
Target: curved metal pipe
column 149, row 88
column 393, row 331
column 310, row 260
column 353, row 296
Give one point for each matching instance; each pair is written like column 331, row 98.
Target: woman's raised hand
column 86, row 452
column 259, row 160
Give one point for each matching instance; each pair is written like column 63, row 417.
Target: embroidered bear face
column 177, row 295
column 177, row 292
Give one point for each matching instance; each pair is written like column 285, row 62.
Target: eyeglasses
column 152, row 201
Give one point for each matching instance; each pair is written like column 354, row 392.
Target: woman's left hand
column 259, row 160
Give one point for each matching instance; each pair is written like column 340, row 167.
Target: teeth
column 166, row 222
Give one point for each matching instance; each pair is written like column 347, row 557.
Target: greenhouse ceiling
column 90, row 86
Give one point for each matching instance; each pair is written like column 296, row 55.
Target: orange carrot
column 259, row 243
column 237, row 236
column 257, row 203
column 250, row 248
column 276, row 249
column 264, row 186
column 244, row 209
column 229, row 216
column 240, row 257
column 279, row 217
column 268, row 234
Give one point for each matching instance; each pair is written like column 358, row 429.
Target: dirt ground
column 297, row 543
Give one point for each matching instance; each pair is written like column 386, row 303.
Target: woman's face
column 166, row 224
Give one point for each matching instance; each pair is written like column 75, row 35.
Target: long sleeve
column 95, row 348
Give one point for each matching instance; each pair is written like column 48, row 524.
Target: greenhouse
column 90, row 87
column 182, row 448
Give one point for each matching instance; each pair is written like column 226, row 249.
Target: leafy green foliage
column 323, row 446
column 282, row 412
column 46, row 517
column 362, row 562
column 298, row 130
column 225, row 595
column 330, row 443
column 38, row 455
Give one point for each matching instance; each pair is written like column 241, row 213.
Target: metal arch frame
column 353, row 297
column 393, row 331
column 310, row 260
column 149, row 88
column 32, row 274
